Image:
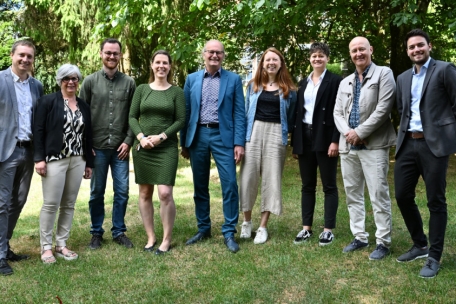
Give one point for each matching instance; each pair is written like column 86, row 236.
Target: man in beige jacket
column 362, row 116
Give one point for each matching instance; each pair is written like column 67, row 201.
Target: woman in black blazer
column 316, row 142
column 63, row 155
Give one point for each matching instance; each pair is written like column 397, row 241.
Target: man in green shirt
column 109, row 94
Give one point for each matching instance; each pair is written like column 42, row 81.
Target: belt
column 307, row 126
column 210, row 125
column 415, row 135
column 23, row 144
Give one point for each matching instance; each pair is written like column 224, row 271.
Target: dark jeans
column 309, row 161
column 415, row 159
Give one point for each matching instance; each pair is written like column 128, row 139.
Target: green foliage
column 70, row 31
column 6, row 41
column 9, row 9
column 334, row 68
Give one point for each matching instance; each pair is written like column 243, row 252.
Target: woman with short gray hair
column 63, row 155
column 67, row 70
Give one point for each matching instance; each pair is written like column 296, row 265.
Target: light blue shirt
column 310, row 95
column 416, row 89
column 24, row 107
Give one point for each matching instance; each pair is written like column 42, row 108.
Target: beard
column 421, row 61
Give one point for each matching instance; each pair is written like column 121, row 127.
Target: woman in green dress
column 157, row 113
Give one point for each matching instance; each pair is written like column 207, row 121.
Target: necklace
column 270, row 84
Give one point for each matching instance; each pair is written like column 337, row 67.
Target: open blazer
column 378, row 93
column 231, row 109
column 437, row 107
column 48, row 128
column 324, row 131
column 9, row 122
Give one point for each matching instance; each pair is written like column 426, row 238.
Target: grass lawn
column 275, row 272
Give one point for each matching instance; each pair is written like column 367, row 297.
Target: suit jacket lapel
column 301, row 100
column 429, row 72
column 12, row 91
column 199, row 88
column 324, row 83
column 223, row 84
column 34, row 91
column 407, row 87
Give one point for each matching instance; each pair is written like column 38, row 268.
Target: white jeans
column 370, row 167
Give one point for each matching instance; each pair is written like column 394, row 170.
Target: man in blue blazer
column 426, row 102
column 18, row 95
column 215, row 124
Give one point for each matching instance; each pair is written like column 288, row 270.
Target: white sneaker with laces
column 246, row 230
column 261, row 236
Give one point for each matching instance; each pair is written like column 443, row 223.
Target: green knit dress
column 153, row 112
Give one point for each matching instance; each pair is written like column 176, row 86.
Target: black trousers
column 415, row 159
column 309, row 161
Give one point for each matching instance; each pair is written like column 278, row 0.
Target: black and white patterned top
column 73, row 130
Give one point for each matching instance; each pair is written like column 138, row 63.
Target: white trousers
column 368, row 167
column 60, row 190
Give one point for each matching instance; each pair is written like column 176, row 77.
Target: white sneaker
column 261, row 236
column 246, row 230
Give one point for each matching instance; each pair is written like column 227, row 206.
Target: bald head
column 360, row 53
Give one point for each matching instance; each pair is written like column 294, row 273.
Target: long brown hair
column 283, row 78
column 169, row 78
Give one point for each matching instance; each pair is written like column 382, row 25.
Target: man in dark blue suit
column 426, row 101
column 215, row 124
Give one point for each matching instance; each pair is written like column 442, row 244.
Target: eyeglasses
column 109, row 54
column 68, row 79
column 218, row 53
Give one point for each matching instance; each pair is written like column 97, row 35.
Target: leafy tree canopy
column 71, row 30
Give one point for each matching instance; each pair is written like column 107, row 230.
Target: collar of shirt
column 426, row 66
column 17, row 79
column 216, row 74
column 106, row 75
column 364, row 73
column 309, row 78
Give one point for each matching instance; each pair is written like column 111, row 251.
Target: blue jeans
column 206, row 142
column 104, row 159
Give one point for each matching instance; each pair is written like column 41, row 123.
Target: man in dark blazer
column 215, row 124
column 426, row 101
column 18, row 95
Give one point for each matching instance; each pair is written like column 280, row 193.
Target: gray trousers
column 15, row 178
